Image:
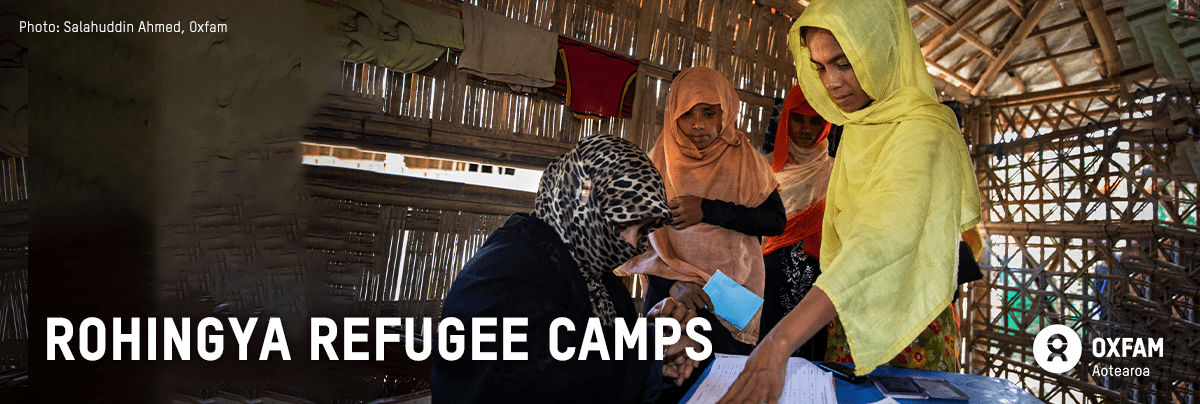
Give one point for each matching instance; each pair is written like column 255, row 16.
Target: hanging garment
column 397, row 35
column 596, row 83
column 506, row 50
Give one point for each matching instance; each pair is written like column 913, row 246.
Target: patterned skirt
column 790, row 274
column 936, row 348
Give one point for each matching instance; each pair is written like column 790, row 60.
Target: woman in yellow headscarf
column 901, row 191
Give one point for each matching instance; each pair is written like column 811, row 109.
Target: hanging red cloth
column 596, row 83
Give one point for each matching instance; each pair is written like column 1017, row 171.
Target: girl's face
column 835, row 71
column 701, row 124
column 804, row 129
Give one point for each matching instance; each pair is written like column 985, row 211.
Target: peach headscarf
column 729, row 170
column 803, row 174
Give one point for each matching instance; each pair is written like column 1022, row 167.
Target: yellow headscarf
column 902, row 187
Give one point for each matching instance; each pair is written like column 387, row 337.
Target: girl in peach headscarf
column 802, row 165
column 722, row 197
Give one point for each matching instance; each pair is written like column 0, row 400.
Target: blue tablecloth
column 980, row 389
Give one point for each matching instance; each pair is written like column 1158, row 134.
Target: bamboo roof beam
column 1062, row 78
column 1115, row 230
column 963, row 81
column 1098, row 88
column 1017, row 81
column 1092, row 39
column 1076, row 22
column 950, row 91
column 968, row 62
column 1019, row 36
column 943, row 17
column 964, row 20
column 1070, row 116
column 1052, row 57
column 1098, row 18
column 960, row 42
column 1016, row 7
column 925, row 17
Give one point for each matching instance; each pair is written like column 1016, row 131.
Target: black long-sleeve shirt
column 766, row 219
column 525, row 270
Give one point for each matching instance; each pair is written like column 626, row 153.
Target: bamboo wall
column 1090, row 210
column 388, row 256
column 14, row 264
column 744, row 41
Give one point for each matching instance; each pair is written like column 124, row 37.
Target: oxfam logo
column 1057, row 348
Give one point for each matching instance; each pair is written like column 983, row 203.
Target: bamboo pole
column 1018, row 37
column 1098, row 88
column 968, row 34
column 957, row 27
column 1098, row 18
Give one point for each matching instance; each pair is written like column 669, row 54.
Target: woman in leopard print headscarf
column 595, row 206
column 586, row 193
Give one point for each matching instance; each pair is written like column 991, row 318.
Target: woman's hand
column 761, row 381
column 685, row 211
column 670, row 307
column 676, row 363
column 691, row 295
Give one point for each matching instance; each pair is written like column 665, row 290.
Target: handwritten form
column 804, row 382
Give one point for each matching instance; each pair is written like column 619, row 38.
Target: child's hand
column 691, row 295
column 685, row 211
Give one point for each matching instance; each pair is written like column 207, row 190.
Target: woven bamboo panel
column 1090, row 211
column 743, row 40
column 13, row 189
column 389, row 260
column 14, row 265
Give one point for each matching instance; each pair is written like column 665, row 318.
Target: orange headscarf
column 793, row 103
column 803, row 174
column 728, row 170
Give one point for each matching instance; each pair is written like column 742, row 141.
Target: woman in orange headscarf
column 802, row 165
column 722, row 197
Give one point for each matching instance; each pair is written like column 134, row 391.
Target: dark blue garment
column 525, row 270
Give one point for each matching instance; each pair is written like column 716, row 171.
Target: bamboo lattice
column 1091, row 213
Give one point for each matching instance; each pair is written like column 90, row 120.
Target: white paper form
column 804, row 383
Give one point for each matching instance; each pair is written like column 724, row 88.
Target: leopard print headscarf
column 584, row 194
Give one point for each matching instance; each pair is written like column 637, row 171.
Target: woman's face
column 805, row 129
column 632, row 232
column 835, row 71
column 701, row 124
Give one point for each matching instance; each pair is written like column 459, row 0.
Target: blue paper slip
column 733, row 302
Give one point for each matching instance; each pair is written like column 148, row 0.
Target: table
column 981, row 389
